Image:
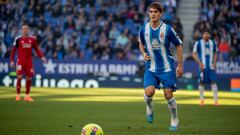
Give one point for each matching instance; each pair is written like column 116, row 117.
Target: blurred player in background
column 155, row 37
column 24, row 45
column 205, row 54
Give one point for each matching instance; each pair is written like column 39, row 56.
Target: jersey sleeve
column 174, row 38
column 16, row 42
column 14, row 48
column 195, row 46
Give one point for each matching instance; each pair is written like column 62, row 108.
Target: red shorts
column 26, row 68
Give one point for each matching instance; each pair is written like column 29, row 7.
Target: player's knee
column 28, row 78
column 214, row 87
column 213, row 83
column 19, row 77
column 150, row 91
column 168, row 95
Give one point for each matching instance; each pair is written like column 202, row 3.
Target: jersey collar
column 157, row 26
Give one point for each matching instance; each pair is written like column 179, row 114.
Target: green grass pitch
column 117, row 111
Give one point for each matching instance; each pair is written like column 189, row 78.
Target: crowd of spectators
column 222, row 18
column 81, row 29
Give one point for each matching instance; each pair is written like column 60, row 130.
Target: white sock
column 201, row 91
column 172, row 105
column 149, row 103
column 215, row 91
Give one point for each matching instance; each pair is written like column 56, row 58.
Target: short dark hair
column 207, row 30
column 156, row 5
column 24, row 24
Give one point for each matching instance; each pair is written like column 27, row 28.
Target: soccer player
column 24, row 45
column 154, row 43
column 205, row 54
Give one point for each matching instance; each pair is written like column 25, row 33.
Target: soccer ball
column 92, row 129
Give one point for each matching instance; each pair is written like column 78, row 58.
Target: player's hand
column 12, row 64
column 179, row 71
column 214, row 65
column 146, row 57
column 201, row 66
column 44, row 60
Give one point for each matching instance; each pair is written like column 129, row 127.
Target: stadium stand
column 222, row 18
column 82, row 29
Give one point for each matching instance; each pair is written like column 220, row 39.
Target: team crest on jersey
column 155, row 44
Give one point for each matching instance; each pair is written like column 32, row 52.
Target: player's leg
column 215, row 93
column 202, row 78
column 18, row 88
column 201, row 93
column 214, row 87
column 172, row 105
column 169, row 86
column 150, row 83
column 19, row 70
column 148, row 98
column 28, row 88
column 29, row 74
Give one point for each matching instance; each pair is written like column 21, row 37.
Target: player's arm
column 215, row 60
column 215, row 55
column 179, row 69
column 174, row 38
column 146, row 57
column 13, row 51
column 195, row 57
column 144, row 54
column 39, row 52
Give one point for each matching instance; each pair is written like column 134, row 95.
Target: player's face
column 25, row 30
column 154, row 14
column 206, row 36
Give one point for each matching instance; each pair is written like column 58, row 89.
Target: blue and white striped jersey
column 156, row 42
column 205, row 51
